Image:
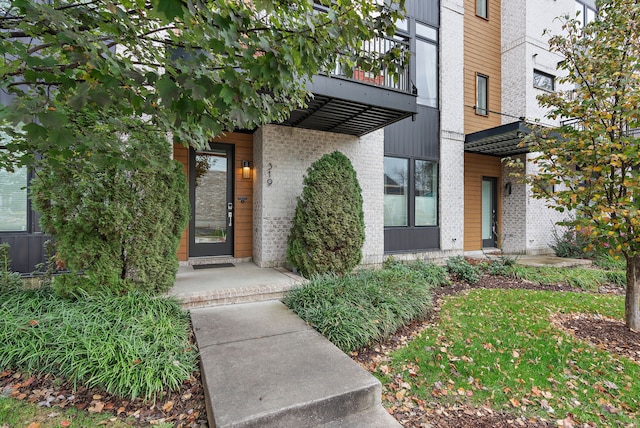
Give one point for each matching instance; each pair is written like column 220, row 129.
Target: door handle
column 230, row 215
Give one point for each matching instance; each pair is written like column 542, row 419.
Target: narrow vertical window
column 427, row 65
column 481, row 9
column 482, row 94
column 426, row 193
column 396, row 191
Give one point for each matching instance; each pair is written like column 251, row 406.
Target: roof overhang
column 350, row 107
column 504, row 140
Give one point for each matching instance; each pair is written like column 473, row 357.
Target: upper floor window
column 585, row 12
column 482, row 9
column 544, row 81
column 427, row 65
column 482, row 94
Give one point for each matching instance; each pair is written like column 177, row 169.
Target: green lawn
column 498, row 348
column 14, row 413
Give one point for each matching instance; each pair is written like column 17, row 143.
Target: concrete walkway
column 262, row 366
column 242, row 282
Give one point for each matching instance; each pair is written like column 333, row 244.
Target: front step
column 262, row 366
column 230, row 296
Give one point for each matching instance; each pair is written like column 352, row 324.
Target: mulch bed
column 186, row 407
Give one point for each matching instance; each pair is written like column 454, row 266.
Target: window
column 13, row 200
column 482, row 94
column 482, row 9
column 410, row 192
column 396, row 191
column 427, row 65
column 426, row 193
column 544, row 81
column 585, row 13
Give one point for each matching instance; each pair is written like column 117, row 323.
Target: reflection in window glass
column 481, row 8
column 543, row 80
column 426, row 193
column 396, row 190
column 426, row 32
column 13, row 200
column 427, row 73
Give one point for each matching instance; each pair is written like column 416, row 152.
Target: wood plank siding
column 181, row 154
column 243, row 212
column 482, row 46
column 475, row 167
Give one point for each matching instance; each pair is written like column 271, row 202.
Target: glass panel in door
column 212, row 202
column 489, row 212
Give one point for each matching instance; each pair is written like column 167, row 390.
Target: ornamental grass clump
column 359, row 309
column 131, row 346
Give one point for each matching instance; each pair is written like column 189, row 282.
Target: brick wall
column 282, row 155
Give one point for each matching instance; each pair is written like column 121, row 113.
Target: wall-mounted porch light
column 246, row 169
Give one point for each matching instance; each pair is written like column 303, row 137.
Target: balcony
column 360, row 102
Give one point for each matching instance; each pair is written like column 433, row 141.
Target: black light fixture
column 246, row 169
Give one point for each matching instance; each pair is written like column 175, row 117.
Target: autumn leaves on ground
column 505, row 351
column 512, row 357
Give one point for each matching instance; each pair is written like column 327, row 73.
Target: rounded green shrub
column 116, row 215
column 328, row 227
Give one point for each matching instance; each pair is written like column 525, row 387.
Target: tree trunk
column 632, row 298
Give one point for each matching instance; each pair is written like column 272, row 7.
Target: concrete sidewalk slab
column 262, row 366
column 242, row 283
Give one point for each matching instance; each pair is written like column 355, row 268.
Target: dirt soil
column 186, row 407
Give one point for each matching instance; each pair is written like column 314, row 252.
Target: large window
column 13, row 200
column 427, row 65
column 482, row 94
column 410, row 192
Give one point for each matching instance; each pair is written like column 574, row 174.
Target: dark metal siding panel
column 411, row 239
column 26, row 251
column 419, row 138
column 427, row 11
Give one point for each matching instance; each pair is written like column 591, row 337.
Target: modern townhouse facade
column 426, row 146
column 403, row 136
column 507, row 64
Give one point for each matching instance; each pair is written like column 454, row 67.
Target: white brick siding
column 528, row 223
column 283, row 155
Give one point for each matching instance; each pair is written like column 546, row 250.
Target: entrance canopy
column 500, row 141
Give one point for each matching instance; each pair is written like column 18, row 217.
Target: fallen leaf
column 96, row 407
column 65, row 423
column 514, row 402
column 33, row 425
column 167, row 406
column 515, row 354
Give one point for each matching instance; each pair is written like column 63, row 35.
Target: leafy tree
column 593, row 159
column 190, row 69
column 328, row 227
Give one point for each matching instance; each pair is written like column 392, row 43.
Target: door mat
column 213, row 265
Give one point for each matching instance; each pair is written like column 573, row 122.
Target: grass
column 14, row 413
column 355, row 310
column 498, row 348
column 586, row 279
column 131, row 346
